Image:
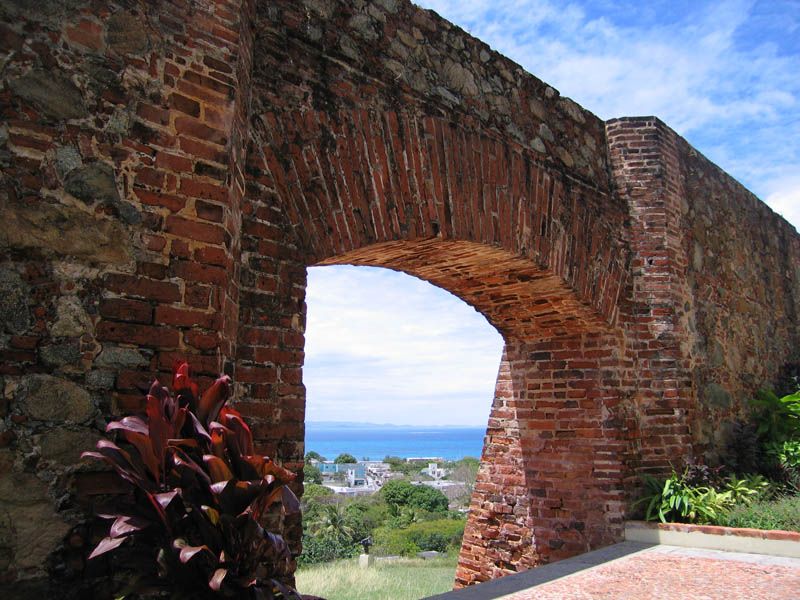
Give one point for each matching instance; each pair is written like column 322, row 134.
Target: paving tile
column 677, row 573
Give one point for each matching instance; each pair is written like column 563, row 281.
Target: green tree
column 426, row 498
column 311, row 474
column 345, row 459
column 396, row 493
column 365, row 514
column 332, row 521
column 311, row 455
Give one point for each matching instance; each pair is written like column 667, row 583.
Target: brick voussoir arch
column 537, row 252
column 360, row 178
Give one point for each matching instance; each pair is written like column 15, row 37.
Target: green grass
column 783, row 513
column 401, row 579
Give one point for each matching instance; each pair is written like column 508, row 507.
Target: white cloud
column 722, row 74
column 386, row 347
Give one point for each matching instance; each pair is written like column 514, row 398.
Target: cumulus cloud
column 387, row 347
column 722, row 74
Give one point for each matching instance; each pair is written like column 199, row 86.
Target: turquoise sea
column 373, row 442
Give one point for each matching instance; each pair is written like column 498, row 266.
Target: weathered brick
column 201, row 189
column 172, row 202
column 145, row 335
column 184, row 104
column 161, row 291
column 208, row 211
column 182, row 317
column 195, row 230
column 133, row 311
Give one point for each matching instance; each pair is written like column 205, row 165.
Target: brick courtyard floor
column 669, row 572
column 639, row 571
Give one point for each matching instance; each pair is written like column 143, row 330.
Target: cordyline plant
column 201, row 494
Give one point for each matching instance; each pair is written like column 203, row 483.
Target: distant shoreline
column 364, row 425
column 374, row 442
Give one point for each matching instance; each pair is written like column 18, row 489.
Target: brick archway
column 536, row 251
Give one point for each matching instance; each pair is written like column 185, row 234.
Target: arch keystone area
column 169, row 171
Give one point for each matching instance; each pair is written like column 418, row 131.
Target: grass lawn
column 401, row 579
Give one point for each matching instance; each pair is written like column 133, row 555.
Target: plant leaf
column 242, row 436
column 217, row 468
column 215, row 583
column 214, row 399
column 130, row 423
column 106, row 545
column 189, row 552
column 126, row 525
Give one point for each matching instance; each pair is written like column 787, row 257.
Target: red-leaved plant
column 201, row 494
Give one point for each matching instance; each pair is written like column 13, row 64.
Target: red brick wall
column 169, row 170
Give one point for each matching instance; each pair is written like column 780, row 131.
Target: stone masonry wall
column 168, row 170
column 743, row 278
column 122, row 135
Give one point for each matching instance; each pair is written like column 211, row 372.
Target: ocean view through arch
column 395, row 366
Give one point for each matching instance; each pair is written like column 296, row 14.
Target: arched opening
column 535, row 248
column 399, row 375
column 551, row 476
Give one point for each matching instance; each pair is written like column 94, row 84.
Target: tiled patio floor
column 669, row 572
column 639, row 571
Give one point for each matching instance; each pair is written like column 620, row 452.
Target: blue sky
column 725, row 75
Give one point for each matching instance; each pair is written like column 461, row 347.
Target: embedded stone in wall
column 125, row 34
column 63, row 231
column 116, row 357
column 61, row 354
column 54, row 95
column 14, row 312
column 71, row 318
column 95, row 183
column 28, row 537
column 64, row 446
column 47, row 398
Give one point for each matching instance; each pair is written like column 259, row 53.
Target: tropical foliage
column 201, row 496
column 402, row 519
column 769, row 446
column 400, row 494
column 677, row 500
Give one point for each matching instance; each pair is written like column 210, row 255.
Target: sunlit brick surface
column 677, row 573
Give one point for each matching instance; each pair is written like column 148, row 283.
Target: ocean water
column 374, row 441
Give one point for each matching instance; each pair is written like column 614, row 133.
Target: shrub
column 778, row 419
column 428, row 499
column 201, row 497
column 326, row 548
column 439, row 535
column 674, row 500
column 677, row 500
column 314, row 491
column 783, row 513
column 400, row 494
column 393, row 541
column 396, row 493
